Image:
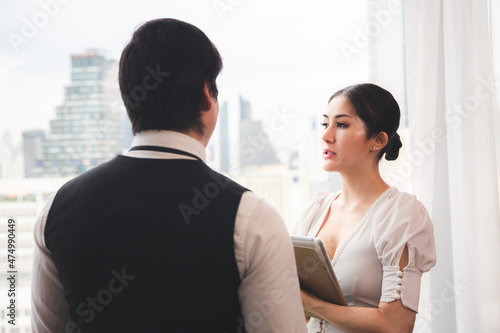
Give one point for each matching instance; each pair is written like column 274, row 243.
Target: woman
column 379, row 240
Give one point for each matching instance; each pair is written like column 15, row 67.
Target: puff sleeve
column 404, row 222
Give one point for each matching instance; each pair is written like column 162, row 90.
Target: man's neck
column 195, row 135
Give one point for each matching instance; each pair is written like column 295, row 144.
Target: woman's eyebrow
column 338, row 116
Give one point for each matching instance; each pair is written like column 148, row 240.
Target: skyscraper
column 255, row 148
column 33, row 152
column 86, row 131
column 245, row 109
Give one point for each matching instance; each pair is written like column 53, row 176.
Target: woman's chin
column 329, row 168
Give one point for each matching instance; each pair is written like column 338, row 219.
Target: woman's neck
column 362, row 186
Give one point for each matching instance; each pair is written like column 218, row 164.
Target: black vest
column 146, row 245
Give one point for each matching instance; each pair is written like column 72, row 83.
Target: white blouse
column 367, row 261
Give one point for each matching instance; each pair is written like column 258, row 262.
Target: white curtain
column 453, row 156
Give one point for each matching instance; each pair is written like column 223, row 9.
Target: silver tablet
column 315, row 271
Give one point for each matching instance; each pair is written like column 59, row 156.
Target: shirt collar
column 171, row 139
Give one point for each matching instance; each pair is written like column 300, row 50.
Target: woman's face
column 345, row 146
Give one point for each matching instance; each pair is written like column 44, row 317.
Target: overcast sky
column 277, row 54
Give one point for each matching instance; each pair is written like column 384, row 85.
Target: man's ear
column 206, row 99
column 380, row 140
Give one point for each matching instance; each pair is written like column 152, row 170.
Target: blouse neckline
column 343, row 244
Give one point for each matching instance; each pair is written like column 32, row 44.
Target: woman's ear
column 380, row 140
column 206, row 99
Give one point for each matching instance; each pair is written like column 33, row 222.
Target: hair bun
column 392, row 147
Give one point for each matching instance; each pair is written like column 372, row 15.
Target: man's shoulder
column 223, row 182
column 97, row 172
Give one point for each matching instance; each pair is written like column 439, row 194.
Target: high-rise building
column 245, row 109
column 255, row 147
column 224, row 138
column 280, row 186
column 33, row 152
column 87, row 131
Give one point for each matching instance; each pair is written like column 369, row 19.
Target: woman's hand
column 387, row 317
column 308, row 301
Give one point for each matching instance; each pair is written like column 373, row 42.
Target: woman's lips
column 327, row 154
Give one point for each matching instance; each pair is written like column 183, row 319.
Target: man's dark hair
column 379, row 111
column 162, row 74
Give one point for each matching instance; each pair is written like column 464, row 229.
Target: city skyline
column 86, row 131
column 269, row 58
column 295, row 60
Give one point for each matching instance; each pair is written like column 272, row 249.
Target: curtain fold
column 453, row 158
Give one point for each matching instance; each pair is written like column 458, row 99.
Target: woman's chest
column 359, row 270
column 337, row 229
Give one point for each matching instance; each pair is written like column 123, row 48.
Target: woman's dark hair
column 379, row 111
column 162, row 73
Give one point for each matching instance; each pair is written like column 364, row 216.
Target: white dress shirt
column 269, row 291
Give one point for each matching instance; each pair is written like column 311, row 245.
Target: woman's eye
column 325, row 125
column 342, row 125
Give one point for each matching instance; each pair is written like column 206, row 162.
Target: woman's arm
column 387, row 317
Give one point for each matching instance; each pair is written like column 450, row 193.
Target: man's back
column 154, row 241
column 166, row 227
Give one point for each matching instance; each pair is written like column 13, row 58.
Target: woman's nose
column 328, row 135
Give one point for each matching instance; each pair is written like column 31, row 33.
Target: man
column 154, row 240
